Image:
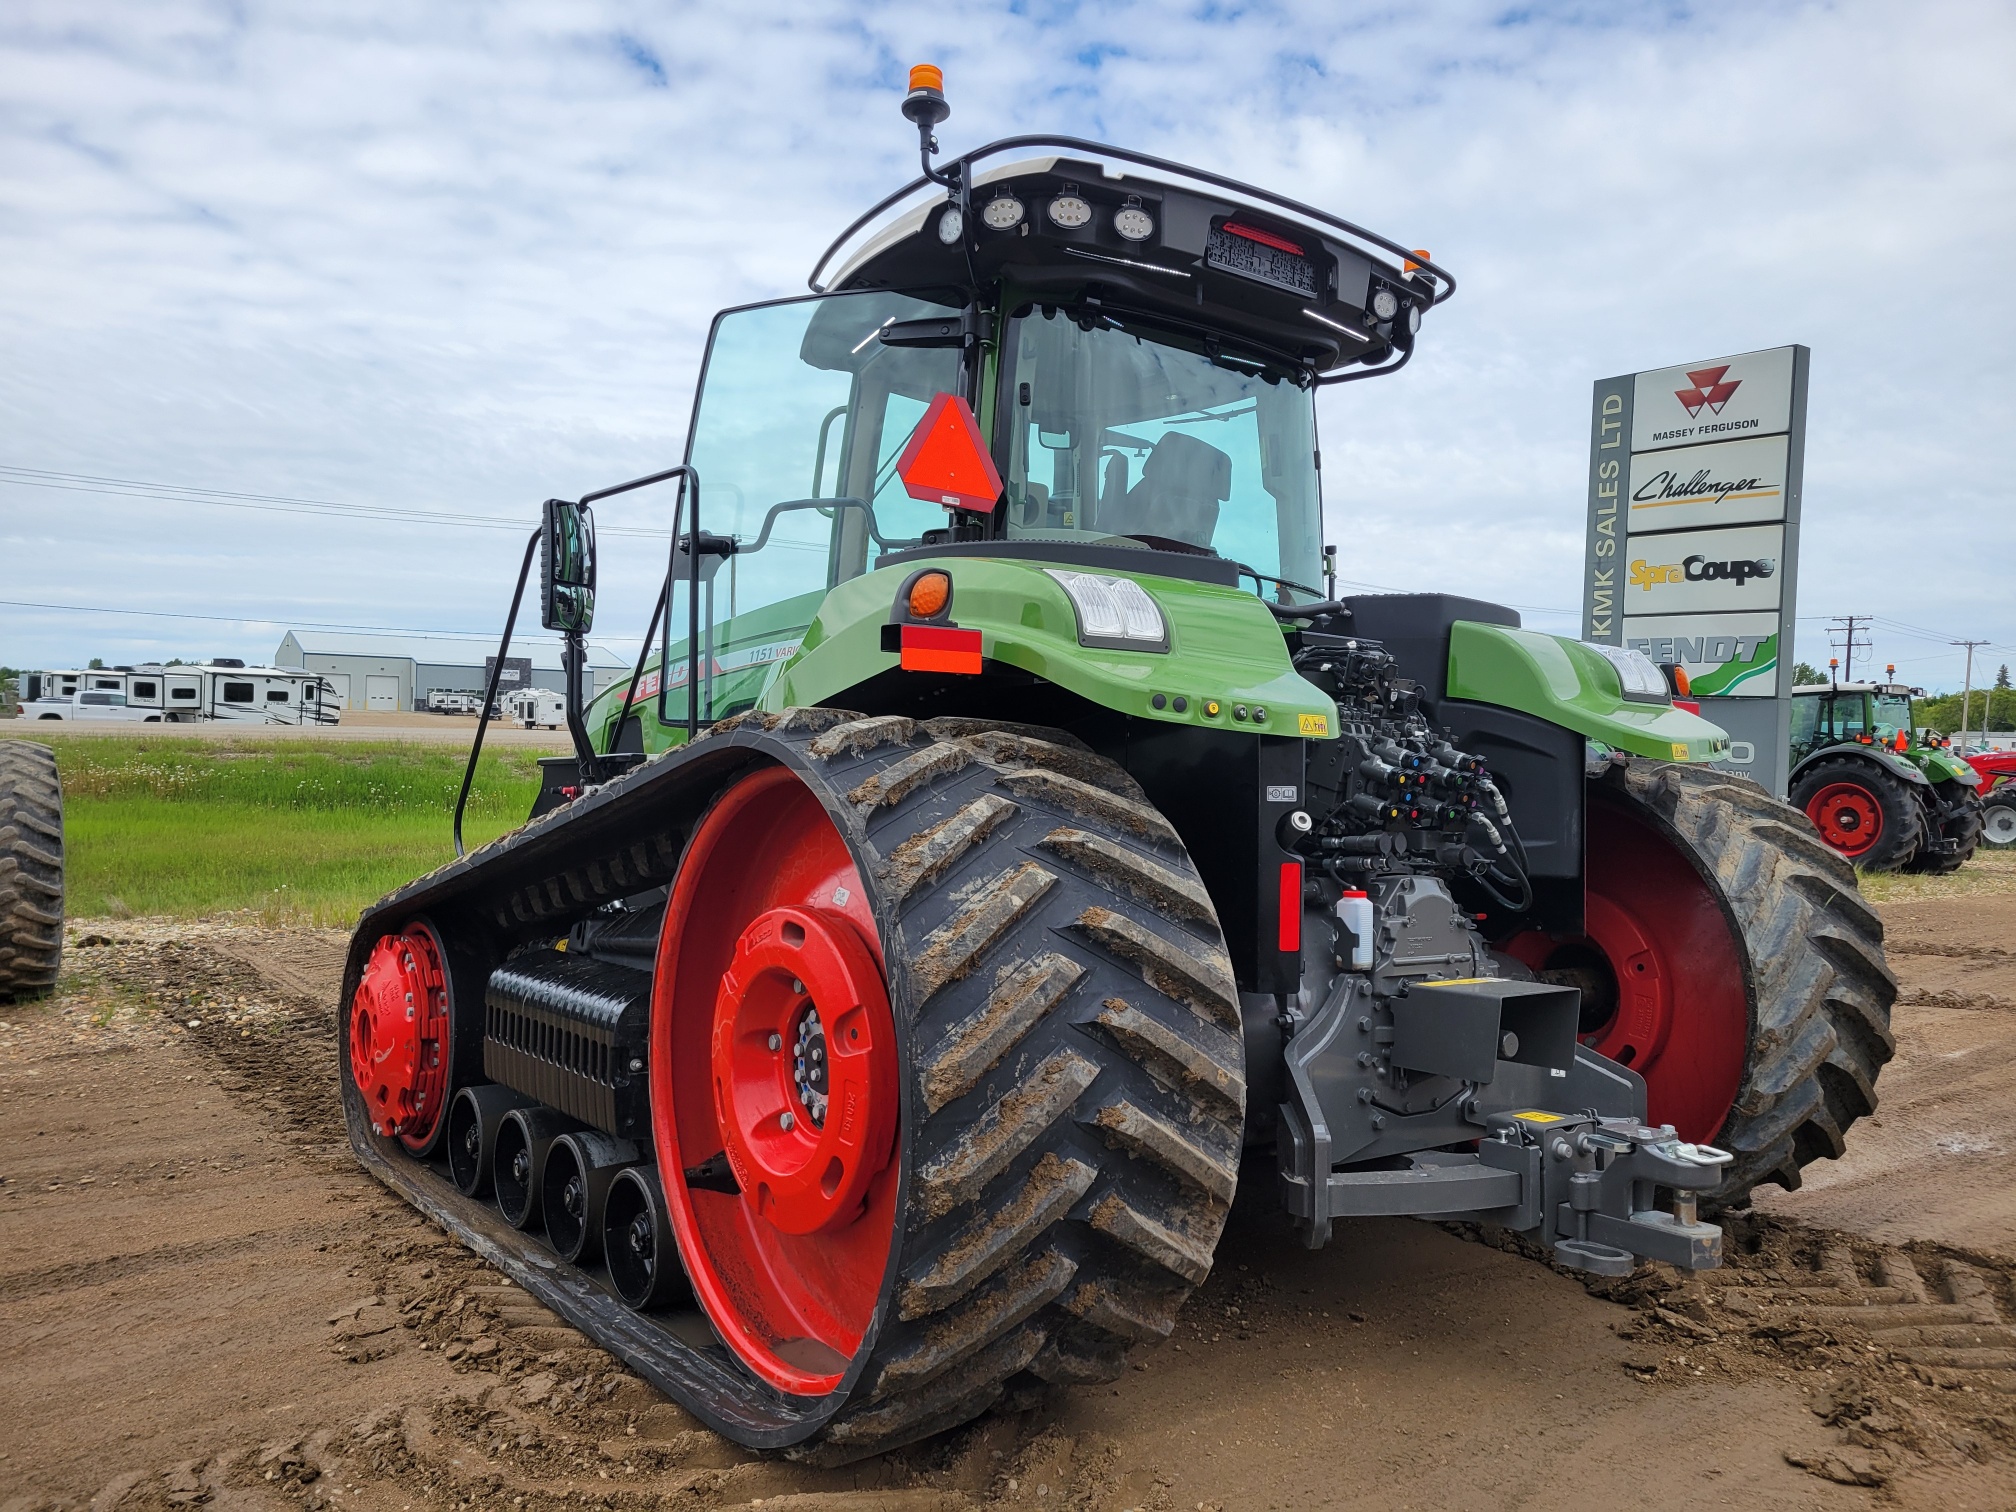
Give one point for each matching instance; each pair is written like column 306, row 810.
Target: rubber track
column 1813, row 957
column 31, row 870
column 1072, row 1125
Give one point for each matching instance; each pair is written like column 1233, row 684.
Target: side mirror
column 567, row 568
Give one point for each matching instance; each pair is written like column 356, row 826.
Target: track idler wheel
column 637, row 1241
column 574, row 1187
column 524, row 1142
column 400, row 1054
column 473, row 1120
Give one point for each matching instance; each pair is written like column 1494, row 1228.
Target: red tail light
column 1291, row 905
column 1265, row 238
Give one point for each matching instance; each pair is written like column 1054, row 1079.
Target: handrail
column 490, row 693
column 1144, row 160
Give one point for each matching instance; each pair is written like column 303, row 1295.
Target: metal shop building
column 388, row 673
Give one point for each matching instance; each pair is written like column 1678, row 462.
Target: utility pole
column 1967, row 695
column 1849, row 627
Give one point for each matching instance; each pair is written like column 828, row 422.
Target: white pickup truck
column 89, row 705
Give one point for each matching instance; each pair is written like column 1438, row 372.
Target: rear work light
column 1114, row 612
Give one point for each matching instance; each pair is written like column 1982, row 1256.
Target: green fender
column 1568, row 684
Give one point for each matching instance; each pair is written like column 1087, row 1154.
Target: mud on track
column 204, row 1302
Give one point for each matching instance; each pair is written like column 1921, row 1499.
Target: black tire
column 31, row 870
column 1998, row 821
column 1959, row 823
column 1073, row 1113
column 1812, row 952
column 1903, row 814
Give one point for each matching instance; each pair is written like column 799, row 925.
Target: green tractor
column 1007, row 851
column 1887, row 795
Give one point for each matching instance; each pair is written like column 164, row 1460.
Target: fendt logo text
column 1698, row 569
column 1709, row 391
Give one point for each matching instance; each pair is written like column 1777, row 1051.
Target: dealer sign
column 1693, row 536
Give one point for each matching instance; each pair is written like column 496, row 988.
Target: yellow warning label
column 1679, row 750
column 1313, row 724
column 1534, row 1116
column 1456, row 982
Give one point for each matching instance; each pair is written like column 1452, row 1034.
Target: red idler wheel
column 399, row 1037
column 1847, row 816
column 775, row 1084
column 1678, row 1013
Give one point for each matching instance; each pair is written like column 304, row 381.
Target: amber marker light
column 930, row 593
column 1682, row 683
column 927, row 76
column 1407, row 264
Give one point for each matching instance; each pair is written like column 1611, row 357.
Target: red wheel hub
column 775, row 1084
column 804, row 1079
column 1847, row 816
column 1681, row 1017
column 399, row 1050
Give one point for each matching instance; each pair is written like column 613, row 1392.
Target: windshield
column 1115, row 430
column 1892, row 714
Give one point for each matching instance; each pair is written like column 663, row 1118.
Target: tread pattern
column 1080, row 1081
column 31, row 870
column 1813, row 951
column 1905, row 818
column 1962, row 820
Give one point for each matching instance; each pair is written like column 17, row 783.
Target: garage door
column 339, row 682
column 381, row 694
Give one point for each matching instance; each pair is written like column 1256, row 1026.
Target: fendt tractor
column 1007, row 850
column 1885, row 794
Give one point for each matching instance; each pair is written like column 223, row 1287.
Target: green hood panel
column 1564, row 682
column 1224, row 647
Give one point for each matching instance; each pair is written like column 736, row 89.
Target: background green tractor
column 1007, row 851
column 1877, row 788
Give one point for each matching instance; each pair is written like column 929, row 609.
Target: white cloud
column 461, row 257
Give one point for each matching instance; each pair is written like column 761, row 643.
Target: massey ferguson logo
column 1709, row 391
column 1698, row 569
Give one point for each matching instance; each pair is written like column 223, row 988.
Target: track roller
column 579, row 1168
column 637, row 1241
column 524, row 1141
column 473, row 1121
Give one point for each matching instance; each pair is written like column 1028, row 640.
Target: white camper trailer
column 224, row 689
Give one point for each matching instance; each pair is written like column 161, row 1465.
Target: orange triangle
column 946, row 461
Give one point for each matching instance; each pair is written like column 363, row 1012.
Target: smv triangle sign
column 946, row 462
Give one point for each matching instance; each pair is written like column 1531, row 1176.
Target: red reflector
column 1688, row 704
column 946, row 461
column 934, row 648
column 1265, row 238
column 1291, row 905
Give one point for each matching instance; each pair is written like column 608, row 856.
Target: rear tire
column 1750, row 976
column 1071, row 1083
column 1865, row 813
column 31, row 871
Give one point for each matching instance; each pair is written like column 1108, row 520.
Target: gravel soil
column 204, row 1302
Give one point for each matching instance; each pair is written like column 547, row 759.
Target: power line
column 1849, row 627
column 179, row 493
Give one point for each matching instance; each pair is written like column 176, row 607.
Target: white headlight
column 1002, row 213
column 1070, row 211
column 1134, row 223
column 950, row 225
column 1639, row 674
column 1114, row 611
column 1385, row 303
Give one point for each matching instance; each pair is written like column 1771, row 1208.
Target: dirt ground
column 203, row 1301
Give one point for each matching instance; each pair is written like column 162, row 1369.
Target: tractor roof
column 1891, row 690
column 1048, row 217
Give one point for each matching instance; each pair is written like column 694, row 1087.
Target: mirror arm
column 490, row 693
column 573, row 664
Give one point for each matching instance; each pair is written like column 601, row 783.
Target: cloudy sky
column 304, row 306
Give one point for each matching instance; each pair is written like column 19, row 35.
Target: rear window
column 105, row 700
column 182, row 693
column 276, row 695
column 237, row 692
column 144, row 690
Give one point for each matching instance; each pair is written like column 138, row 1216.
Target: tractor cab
column 1880, row 714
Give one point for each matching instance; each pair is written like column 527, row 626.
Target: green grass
column 298, row 831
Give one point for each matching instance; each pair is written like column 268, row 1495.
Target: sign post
column 1693, row 539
